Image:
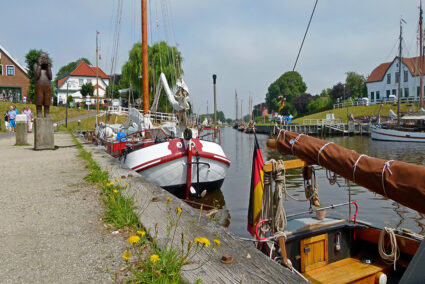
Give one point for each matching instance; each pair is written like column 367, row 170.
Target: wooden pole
column 145, row 74
column 421, row 58
column 215, row 101
column 97, row 78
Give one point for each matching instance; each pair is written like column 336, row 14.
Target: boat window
column 388, row 78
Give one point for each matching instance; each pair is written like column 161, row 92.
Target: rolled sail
column 399, row 181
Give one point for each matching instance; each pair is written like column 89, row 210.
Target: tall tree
column 356, row 83
column 162, row 58
column 30, row 60
column 301, row 102
column 340, row 91
column 289, row 85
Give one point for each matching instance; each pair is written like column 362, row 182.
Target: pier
column 319, row 127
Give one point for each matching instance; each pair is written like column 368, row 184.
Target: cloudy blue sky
column 247, row 43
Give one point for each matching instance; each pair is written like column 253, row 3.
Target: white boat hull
column 396, row 135
column 165, row 164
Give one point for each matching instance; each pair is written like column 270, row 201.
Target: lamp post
column 215, row 102
column 66, row 107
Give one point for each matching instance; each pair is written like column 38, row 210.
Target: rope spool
column 395, row 253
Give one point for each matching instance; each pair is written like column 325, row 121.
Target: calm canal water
column 373, row 208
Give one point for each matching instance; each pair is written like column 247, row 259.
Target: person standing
column 27, row 111
column 15, row 109
column 6, row 121
column 12, row 115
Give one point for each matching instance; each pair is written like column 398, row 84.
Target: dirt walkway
column 50, row 226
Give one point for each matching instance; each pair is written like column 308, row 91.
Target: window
column 394, row 92
column 388, row 93
column 372, row 96
column 81, row 82
column 377, row 95
column 406, row 76
column 10, row 70
column 418, row 91
column 388, row 78
column 88, row 81
column 397, row 77
column 406, row 92
column 1, row 70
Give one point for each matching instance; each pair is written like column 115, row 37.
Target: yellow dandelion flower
column 197, row 240
column 179, row 210
column 126, row 255
column 112, row 183
column 216, row 242
column 154, row 258
column 168, row 199
column 116, row 179
column 204, row 241
column 120, row 179
column 142, row 233
column 133, row 239
column 116, row 191
column 126, row 185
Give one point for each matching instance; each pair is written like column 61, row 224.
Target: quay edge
column 249, row 265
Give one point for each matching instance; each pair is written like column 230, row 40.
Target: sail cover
column 399, row 181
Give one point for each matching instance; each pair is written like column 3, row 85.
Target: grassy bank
column 357, row 111
column 145, row 262
column 89, row 123
column 56, row 113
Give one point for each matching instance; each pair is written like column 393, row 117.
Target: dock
column 249, row 265
column 319, row 127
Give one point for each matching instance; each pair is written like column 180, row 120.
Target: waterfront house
column 14, row 81
column 81, row 75
column 382, row 83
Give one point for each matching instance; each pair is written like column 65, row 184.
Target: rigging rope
column 395, row 253
column 305, row 34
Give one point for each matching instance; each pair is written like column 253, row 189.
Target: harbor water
column 373, row 208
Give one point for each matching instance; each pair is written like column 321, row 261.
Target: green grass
column 357, row 111
column 56, row 113
column 89, row 123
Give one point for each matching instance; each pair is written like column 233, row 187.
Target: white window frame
column 13, row 70
column 1, row 68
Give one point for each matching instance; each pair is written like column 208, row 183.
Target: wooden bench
column 349, row 270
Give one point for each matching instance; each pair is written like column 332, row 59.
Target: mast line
column 145, row 73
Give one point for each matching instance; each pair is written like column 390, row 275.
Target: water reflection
column 373, row 208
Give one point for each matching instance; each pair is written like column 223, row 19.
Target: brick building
column 14, row 81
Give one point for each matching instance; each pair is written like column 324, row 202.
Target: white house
column 383, row 81
column 81, row 75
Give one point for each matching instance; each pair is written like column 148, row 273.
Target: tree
column 301, row 102
column 340, row 91
column 289, row 85
column 356, row 84
column 112, row 91
column 30, row 60
column 87, row 90
column 65, row 70
column 161, row 58
column 319, row 103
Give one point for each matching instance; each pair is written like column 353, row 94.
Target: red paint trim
column 189, row 170
column 405, row 137
column 211, row 156
column 163, row 160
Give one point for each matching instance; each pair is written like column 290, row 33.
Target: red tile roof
column 413, row 64
column 83, row 69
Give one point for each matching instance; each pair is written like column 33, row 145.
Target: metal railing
column 157, row 117
column 374, row 102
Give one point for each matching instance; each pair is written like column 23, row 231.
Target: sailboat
column 409, row 128
column 176, row 157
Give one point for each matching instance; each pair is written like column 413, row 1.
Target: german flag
column 257, row 186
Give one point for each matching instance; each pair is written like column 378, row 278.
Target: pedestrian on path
column 6, row 121
column 12, row 115
column 27, row 111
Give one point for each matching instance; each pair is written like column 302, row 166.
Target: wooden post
column 145, row 74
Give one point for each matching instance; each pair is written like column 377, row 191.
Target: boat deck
column 349, row 270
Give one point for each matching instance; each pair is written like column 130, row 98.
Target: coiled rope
column 395, row 253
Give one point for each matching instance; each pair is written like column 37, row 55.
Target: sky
column 247, row 43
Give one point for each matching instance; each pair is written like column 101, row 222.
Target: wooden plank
column 290, row 164
column 318, row 254
column 249, row 265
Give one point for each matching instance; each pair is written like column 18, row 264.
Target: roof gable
column 413, row 64
column 14, row 60
column 83, row 70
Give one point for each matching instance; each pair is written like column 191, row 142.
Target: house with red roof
column 14, row 81
column 81, row 75
column 382, row 83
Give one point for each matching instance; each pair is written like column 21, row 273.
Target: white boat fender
column 108, row 132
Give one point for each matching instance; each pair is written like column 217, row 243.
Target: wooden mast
column 400, row 61
column 421, row 57
column 97, row 78
column 145, row 74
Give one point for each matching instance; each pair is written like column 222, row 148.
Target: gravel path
column 50, row 226
column 81, row 117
